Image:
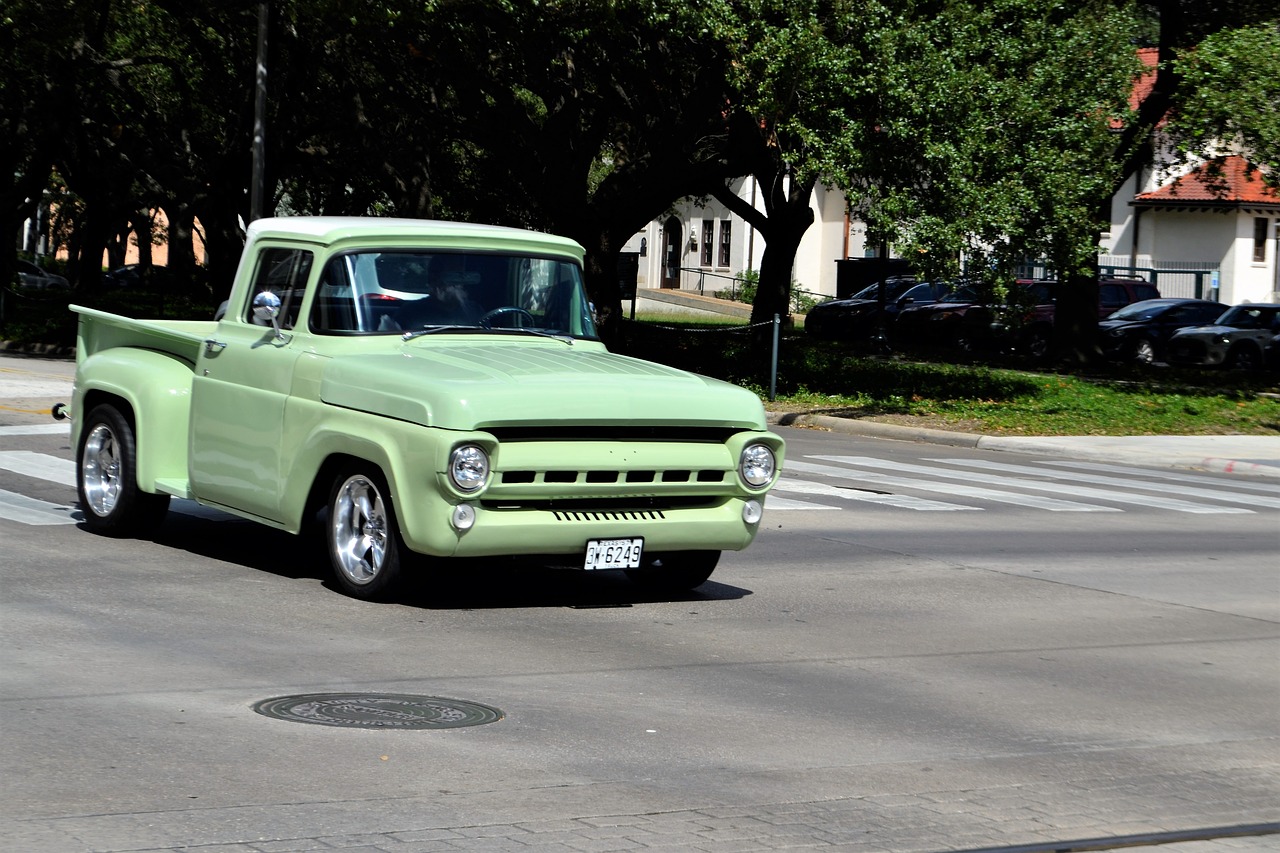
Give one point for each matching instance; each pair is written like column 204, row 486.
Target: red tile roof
column 1143, row 83
column 1230, row 181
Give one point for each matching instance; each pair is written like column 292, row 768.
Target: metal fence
column 1182, row 279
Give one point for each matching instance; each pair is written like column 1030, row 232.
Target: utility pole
column 257, row 189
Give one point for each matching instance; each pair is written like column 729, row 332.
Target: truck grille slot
column 679, row 476
column 610, row 515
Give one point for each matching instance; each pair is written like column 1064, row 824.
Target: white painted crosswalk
column 831, row 484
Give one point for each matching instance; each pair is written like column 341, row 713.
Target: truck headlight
column 468, row 467
column 756, row 465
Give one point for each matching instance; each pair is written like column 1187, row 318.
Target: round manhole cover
column 378, row 711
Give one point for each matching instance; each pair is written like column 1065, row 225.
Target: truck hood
column 481, row 386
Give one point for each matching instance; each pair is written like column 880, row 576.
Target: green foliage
column 1232, row 92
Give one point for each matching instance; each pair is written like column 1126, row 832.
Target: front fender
column 157, row 386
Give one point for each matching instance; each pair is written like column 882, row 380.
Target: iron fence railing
column 1181, row 279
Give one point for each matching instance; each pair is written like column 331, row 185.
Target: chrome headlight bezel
column 757, row 465
column 468, row 468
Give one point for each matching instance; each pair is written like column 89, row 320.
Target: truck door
column 242, row 380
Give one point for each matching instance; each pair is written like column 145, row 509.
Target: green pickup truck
column 418, row 390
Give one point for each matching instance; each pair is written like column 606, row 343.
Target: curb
column 1042, row 446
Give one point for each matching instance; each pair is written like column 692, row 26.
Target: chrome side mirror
column 266, row 307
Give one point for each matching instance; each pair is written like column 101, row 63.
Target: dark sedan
column 1141, row 331
column 857, row 318
column 1234, row 340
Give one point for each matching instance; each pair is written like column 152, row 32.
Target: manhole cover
column 378, row 711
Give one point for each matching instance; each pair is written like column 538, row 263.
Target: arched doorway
column 672, row 242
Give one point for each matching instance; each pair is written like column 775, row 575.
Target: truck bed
column 101, row 330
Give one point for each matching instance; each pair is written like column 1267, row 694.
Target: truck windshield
column 394, row 292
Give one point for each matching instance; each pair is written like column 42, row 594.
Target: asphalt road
column 897, row 664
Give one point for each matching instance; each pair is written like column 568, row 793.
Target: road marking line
column 808, row 487
column 20, row 508
column 1149, row 501
column 1186, row 491
column 36, row 429
column 42, row 466
column 1165, row 475
column 1022, row 500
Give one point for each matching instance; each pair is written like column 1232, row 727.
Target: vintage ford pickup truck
column 418, row 390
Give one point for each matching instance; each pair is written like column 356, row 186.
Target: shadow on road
column 437, row 584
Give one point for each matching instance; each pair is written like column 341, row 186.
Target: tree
column 1232, row 84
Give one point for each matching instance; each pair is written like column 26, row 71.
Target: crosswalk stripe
column 1035, row 501
column 1153, row 501
column 16, row 507
column 36, row 429
column 775, row 503
column 900, row 501
column 1186, row 491
column 1177, row 476
column 42, row 466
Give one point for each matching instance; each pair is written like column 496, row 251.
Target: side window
column 1207, row 313
column 283, row 272
column 1113, row 294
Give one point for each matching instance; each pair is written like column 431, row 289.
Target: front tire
column 107, row 477
column 362, row 536
column 675, row 571
column 1144, row 351
column 1244, row 357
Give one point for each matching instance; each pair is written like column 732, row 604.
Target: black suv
column 1140, row 332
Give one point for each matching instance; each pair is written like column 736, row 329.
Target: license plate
column 614, row 553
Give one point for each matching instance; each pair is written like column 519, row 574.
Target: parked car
column 133, row 275
column 856, row 318
column 1030, row 331
column 32, row 276
column 1236, row 339
column 1271, row 353
column 1141, row 331
column 960, row 319
column 1023, row 322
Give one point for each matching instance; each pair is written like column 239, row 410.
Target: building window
column 708, row 233
column 726, row 231
column 1260, row 239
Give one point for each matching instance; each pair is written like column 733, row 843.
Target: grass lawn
column 1003, row 396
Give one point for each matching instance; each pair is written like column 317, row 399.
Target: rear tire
column 361, row 534
column 675, row 571
column 107, row 477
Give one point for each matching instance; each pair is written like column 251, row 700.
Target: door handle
column 213, row 347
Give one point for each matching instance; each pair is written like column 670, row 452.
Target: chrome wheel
column 363, row 539
column 100, row 470
column 1144, row 352
column 360, row 529
column 107, row 477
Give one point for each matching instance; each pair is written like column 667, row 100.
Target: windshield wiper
column 431, row 330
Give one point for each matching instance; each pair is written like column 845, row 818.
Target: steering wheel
column 486, row 319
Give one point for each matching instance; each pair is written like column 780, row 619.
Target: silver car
column 30, row 275
column 1236, row 339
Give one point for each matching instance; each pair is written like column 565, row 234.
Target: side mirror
column 266, row 307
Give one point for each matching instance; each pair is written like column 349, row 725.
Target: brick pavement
column 1021, row 818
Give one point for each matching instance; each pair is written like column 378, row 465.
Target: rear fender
column 157, row 387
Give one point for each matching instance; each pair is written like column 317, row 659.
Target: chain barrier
column 725, row 329
column 776, row 323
